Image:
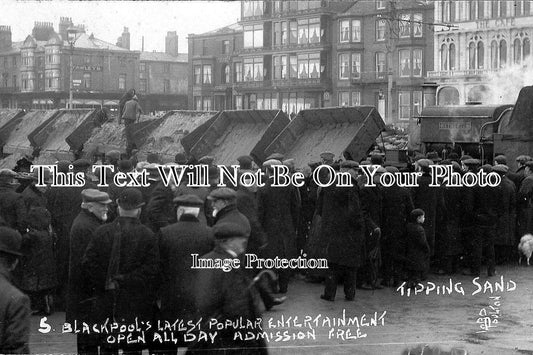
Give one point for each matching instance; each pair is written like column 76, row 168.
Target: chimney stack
column 126, row 38
column 5, row 37
column 64, row 24
column 42, row 31
column 171, row 43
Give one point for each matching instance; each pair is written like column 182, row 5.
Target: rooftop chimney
column 171, row 43
column 64, row 24
column 125, row 38
column 42, row 31
column 5, row 37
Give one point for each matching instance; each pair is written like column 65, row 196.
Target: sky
column 106, row 19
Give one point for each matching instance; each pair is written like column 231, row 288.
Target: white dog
column 525, row 247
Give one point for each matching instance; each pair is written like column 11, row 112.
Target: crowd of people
column 122, row 254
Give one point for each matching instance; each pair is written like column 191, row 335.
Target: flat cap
column 207, row 160
column 349, row 164
column 419, row 156
column 500, row 168
column 113, row 155
column 276, row 156
column 327, row 155
column 434, row 156
column 271, row 162
column 222, row 193
column 424, row 163
column 501, row 159
column 465, row 157
column 471, row 162
column 381, row 170
column 229, row 230
column 151, row 166
column 93, row 195
column 81, row 164
column 486, row 168
column 392, row 169
column 130, row 198
column 523, row 158
column 188, row 200
column 10, row 241
column 7, row 173
column 245, row 160
column 180, row 158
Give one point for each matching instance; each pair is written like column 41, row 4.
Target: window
column 15, row 84
column 309, row 65
column 277, row 34
column 226, row 74
column 417, row 103
column 293, row 32
column 225, row 47
column 197, row 102
column 253, row 69
column 197, row 74
column 206, row 74
column 452, row 56
column 350, row 30
column 417, row 62
column 24, row 82
column 87, row 80
column 122, row 61
column 204, row 47
column 344, row 66
column 284, row 30
column 380, row 30
column 380, row 4
column 166, row 67
column 344, row 98
column 404, row 103
column 503, row 53
column 206, row 104
column 166, row 85
column 444, row 57
column 448, row 11
column 14, row 62
column 526, row 49
column 344, row 31
column 253, row 36
column 4, row 79
column 252, row 8
column 494, row 55
column 238, row 72
column 143, row 85
column 350, row 66
column 356, row 65
column 280, row 67
column 405, row 25
column 238, row 102
column 309, row 31
column 405, row 62
column 380, row 65
column 122, row 81
column 480, row 55
column 356, row 98
column 417, row 25
column 293, row 66
column 142, row 67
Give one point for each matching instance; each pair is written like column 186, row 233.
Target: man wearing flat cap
column 275, row 156
column 121, row 264
column 327, row 157
column 93, row 214
column 11, row 203
column 525, row 201
column 207, row 160
column 224, row 204
column 505, row 241
column 14, row 305
column 177, row 243
column 227, row 295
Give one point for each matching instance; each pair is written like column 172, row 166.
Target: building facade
column 36, row 71
column 293, row 55
column 485, row 37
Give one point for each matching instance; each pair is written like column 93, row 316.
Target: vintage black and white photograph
column 266, row 177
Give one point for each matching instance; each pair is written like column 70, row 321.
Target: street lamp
column 72, row 36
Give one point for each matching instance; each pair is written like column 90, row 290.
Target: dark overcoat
column 278, row 212
column 525, row 206
column 417, row 249
column 397, row 205
column 14, row 318
column 138, row 266
column 231, row 214
column 342, row 227
column 79, row 291
column 247, row 205
column 227, row 296
column 11, row 206
column 506, row 223
column 176, row 244
column 160, row 210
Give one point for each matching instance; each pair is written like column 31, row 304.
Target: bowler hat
column 130, row 199
column 229, row 230
column 10, row 241
column 93, row 195
column 188, row 200
column 222, row 193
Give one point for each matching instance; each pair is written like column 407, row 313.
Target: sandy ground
column 438, row 321
column 18, row 138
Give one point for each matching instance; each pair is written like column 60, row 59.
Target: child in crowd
column 417, row 248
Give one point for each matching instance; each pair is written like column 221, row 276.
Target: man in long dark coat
column 11, row 203
column 227, row 296
column 342, row 230
column 525, row 202
column 278, row 212
column 121, row 263
column 93, row 214
column 397, row 206
column 505, row 235
column 177, row 243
